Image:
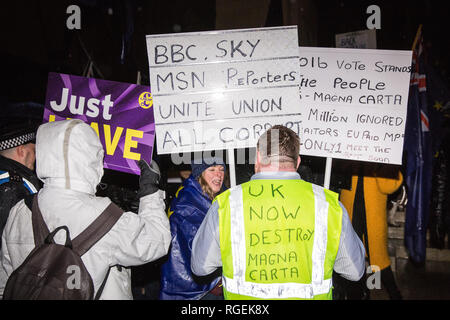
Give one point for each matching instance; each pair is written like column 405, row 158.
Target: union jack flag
column 419, row 157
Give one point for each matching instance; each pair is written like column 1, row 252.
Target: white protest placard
column 354, row 103
column 221, row 90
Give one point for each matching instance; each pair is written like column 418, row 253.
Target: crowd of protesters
column 203, row 239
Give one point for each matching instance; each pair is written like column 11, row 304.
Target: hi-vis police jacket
column 278, row 237
column 69, row 160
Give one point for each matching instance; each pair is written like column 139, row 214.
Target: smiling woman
column 211, row 180
column 186, row 213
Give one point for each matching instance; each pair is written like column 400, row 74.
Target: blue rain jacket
column 186, row 213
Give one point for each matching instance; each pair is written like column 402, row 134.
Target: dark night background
column 35, row 40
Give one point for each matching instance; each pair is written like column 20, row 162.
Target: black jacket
column 16, row 182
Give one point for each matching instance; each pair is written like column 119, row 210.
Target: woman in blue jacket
column 186, row 213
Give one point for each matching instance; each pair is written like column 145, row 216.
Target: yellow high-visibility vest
column 278, row 240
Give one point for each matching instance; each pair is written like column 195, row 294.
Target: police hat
column 16, row 131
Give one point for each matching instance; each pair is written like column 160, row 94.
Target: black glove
column 149, row 178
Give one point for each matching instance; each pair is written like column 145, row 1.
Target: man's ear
column 20, row 151
column 298, row 162
column 257, row 161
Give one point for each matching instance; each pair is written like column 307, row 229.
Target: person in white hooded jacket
column 69, row 160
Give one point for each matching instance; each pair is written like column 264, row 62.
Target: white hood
column 69, row 155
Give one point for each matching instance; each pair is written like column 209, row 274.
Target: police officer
column 278, row 236
column 17, row 158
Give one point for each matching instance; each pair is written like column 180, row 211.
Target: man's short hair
column 279, row 144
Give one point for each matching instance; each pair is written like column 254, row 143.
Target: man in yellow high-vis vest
column 277, row 236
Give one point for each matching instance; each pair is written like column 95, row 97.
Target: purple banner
column 120, row 113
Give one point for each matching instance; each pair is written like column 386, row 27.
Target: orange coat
column 376, row 189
